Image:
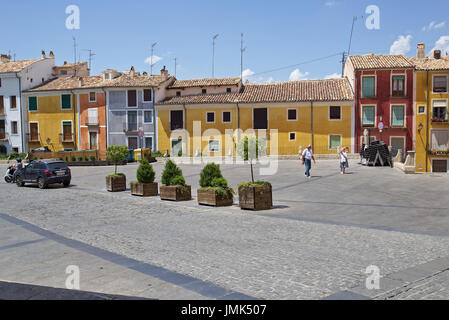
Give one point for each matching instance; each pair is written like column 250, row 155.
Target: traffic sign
column 381, row 125
column 141, row 133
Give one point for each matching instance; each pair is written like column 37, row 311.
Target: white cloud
column 246, row 74
column 442, row 44
column 298, row 75
column 433, row 26
column 333, row 76
column 401, row 46
column 331, row 3
column 155, row 60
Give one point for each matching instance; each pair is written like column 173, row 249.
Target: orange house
column 92, row 113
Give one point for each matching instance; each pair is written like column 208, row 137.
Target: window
column 398, row 89
column 132, row 120
column 107, row 76
column 292, row 136
column 92, row 116
column 2, row 106
column 369, row 87
column 397, row 116
column 228, row 90
column 176, row 120
column 214, row 145
column 147, row 95
column 132, row 98
column 204, row 91
column 440, row 84
column 92, row 96
column 67, row 131
column 64, row 72
column 440, row 140
column 178, row 93
column 226, row 116
column 421, row 109
column 15, row 149
column 335, row 113
column 132, row 143
column 292, row 115
column 210, row 117
column 334, row 142
column 368, row 116
column 14, row 127
column 2, row 129
column 66, row 101
column 260, row 118
column 32, row 103
column 148, row 116
column 93, row 141
column 439, row 111
column 149, row 142
column 34, row 131
column 12, row 102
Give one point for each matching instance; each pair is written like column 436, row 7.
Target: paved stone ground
column 317, row 241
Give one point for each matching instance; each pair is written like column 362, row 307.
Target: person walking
column 344, row 164
column 307, row 157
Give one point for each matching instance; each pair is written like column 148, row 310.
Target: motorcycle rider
column 18, row 168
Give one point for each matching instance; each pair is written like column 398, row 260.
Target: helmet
column 19, row 160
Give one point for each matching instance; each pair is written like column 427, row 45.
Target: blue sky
column 276, row 33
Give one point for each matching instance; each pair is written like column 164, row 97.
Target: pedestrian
column 307, row 157
column 344, row 163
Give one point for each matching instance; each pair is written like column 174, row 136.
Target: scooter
column 9, row 176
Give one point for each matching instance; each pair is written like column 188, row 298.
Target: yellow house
column 288, row 115
column 431, row 106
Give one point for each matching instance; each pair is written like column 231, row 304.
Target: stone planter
column 144, row 189
column 211, row 198
column 255, row 198
column 175, row 193
column 116, row 183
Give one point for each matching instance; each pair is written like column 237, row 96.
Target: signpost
column 141, row 135
column 380, row 126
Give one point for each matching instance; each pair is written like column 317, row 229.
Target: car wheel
column 66, row 183
column 19, row 182
column 41, row 183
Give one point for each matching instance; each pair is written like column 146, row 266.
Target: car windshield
column 57, row 165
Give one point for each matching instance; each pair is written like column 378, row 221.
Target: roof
column 380, row 61
column 291, row 91
column 205, row 82
column 15, row 66
column 70, row 65
column 135, row 81
column 430, row 63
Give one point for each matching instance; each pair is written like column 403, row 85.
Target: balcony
column 130, row 127
column 439, row 120
column 92, row 121
column 438, row 152
column 35, row 137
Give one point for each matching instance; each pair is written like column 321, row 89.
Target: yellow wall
column 50, row 116
column 423, row 137
column 277, row 119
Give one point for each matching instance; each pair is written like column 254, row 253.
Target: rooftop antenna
column 176, row 62
column 241, row 56
column 213, row 53
column 354, row 19
column 151, row 58
column 91, row 54
column 74, row 49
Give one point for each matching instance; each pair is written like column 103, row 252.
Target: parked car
column 44, row 173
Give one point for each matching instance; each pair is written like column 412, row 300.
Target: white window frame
column 375, row 85
column 391, row 114
column 215, row 119
column 230, row 116
column 433, row 106
column 143, row 95
column 329, row 140
column 296, row 118
column 403, row 139
column 145, row 143
column 419, row 106
column 405, row 84
column 95, row 100
column 71, row 102
column 447, row 83
column 375, row 115
column 37, row 103
column 152, row 114
column 431, row 140
column 329, row 114
column 17, row 126
column 218, row 147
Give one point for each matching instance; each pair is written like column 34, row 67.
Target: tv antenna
column 151, row 57
column 213, row 53
column 74, row 49
column 91, row 54
column 241, row 56
column 176, row 63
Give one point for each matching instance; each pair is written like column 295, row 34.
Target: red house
column 383, row 93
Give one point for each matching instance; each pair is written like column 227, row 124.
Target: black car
column 44, row 172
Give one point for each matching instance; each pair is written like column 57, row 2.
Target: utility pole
column 213, row 53
column 354, row 19
column 241, row 56
column 151, row 58
column 343, row 60
column 176, row 59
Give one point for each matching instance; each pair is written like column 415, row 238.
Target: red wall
column 383, row 101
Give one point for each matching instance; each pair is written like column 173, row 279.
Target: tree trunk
column 115, row 168
column 252, row 173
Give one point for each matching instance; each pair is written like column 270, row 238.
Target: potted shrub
column 117, row 181
column 174, row 187
column 145, row 185
column 253, row 195
column 214, row 189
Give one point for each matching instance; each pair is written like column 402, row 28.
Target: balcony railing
column 33, row 137
column 92, row 121
column 130, row 127
column 438, row 152
column 440, row 120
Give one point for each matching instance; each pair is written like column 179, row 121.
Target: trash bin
column 131, row 156
column 138, row 153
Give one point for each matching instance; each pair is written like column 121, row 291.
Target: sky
column 283, row 40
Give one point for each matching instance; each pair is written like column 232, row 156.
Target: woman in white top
column 344, row 163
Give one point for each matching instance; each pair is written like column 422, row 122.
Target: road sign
column 380, row 125
column 141, row 133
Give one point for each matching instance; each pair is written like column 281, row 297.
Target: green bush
column 16, row 155
column 219, row 183
column 73, row 158
column 178, row 181
column 209, row 173
column 80, row 158
column 117, row 154
column 180, row 153
column 145, row 172
column 60, row 158
column 170, row 171
column 157, row 154
column 92, row 158
column 86, row 158
column 253, row 184
column 66, row 159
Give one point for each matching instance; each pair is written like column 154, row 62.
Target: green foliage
column 253, row 184
column 16, row 155
column 157, row 154
column 145, row 172
column 251, row 148
column 171, row 170
column 66, row 159
column 86, row 158
column 180, row 153
column 92, row 158
column 219, row 183
column 178, row 181
column 117, row 154
column 115, row 175
column 209, row 172
column 80, row 158
column 73, row 158
column 60, row 158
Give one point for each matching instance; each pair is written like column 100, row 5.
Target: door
column 2, row 129
column 93, row 140
column 260, row 118
column 397, row 143
column 30, row 173
column 132, row 143
column 439, row 165
column 176, row 147
column 132, row 120
column 34, row 132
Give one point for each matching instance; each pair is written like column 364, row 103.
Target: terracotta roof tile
column 380, row 61
column 205, row 82
column 291, row 91
column 429, row 63
column 15, row 66
column 136, row 81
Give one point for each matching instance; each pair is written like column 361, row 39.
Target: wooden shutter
column 147, row 95
column 132, row 98
column 176, row 120
column 32, row 103
column 65, row 101
column 368, row 87
column 67, row 131
column 13, row 102
column 34, row 133
column 260, row 118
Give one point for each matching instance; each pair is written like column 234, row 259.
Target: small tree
column 209, row 173
column 145, row 172
column 250, row 149
column 117, row 154
column 171, row 171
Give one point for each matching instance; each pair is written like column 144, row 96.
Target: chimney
column 164, row 72
column 5, row 58
column 437, row 54
column 51, row 55
column 145, row 73
column 421, row 51
column 65, row 62
column 132, row 73
column 81, row 81
column 43, row 54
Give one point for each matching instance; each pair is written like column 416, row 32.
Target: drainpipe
column 185, row 125
column 238, row 122
column 311, row 123
column 106, row 124
column 74, row 120
column 356, row 107
column 428, row 122
column 21, row 113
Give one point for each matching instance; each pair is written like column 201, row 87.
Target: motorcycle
column 9, row 176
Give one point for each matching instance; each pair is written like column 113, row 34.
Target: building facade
column 288, row 115
column 15, row 77
column 383, row 93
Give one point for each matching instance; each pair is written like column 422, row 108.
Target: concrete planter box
column 144, row 189
column 255, row 198
column 174, row 193
column 211, row 198
column 116, row 183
